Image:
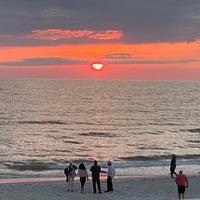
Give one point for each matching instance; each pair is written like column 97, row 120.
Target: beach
column 126, row 188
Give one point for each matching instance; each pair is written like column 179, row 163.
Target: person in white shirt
column 110, row 176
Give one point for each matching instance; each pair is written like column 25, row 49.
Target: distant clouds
column 119, row 56
column 138, row 21
column 126, row 33
column 42, row 62
column 57, row 34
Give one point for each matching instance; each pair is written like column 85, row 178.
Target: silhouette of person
column 173, row 165
column 96, row 169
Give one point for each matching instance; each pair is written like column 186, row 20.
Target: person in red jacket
column 182, row 182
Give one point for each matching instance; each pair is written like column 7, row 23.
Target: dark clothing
column 96, row 169
column 82, row 180
column 109, row 184
column 70, row 170
column 173, row 167
column 172, row 171
column 94, row 182
column 181, row 189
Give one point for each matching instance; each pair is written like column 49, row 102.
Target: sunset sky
column 134, row 39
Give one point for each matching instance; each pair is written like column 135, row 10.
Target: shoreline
column 102, row 177
column 126, row 188
column 61, row 179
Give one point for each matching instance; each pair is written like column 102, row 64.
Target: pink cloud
column 57, row 34
column 107, row 35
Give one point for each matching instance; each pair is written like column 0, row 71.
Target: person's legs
column 181, row 191
column 99, row 186
column 109, row 184
column 69, row 183
column 82, row 179
column 172, row 170
column 72, row 184
column 94, row 185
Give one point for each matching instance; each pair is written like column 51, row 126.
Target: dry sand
column 126, row 188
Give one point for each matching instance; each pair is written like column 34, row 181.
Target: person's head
column 95, row 162
column 109, row 163
column 181, row 172
column 82, row 166
column 173, row 156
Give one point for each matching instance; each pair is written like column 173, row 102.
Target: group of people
column 180, row 179
column 70, row 172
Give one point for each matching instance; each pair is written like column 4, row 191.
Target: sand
column 126, row 188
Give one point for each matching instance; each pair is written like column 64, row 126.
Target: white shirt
column 111, row 171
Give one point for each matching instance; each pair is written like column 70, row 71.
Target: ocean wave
column 42, row 122
column 160, row 157
column 100, row 123
column 95, row 134
column 196, row 130
column 72, row 142
column 194, row 141
column 30, row 166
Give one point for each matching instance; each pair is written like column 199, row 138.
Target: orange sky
column 138, row 40
column 126, row 61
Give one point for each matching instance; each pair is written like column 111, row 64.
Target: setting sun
column 97, row 65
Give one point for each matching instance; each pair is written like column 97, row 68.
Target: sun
column 97, row 66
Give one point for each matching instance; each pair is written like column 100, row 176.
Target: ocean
column 138, row 125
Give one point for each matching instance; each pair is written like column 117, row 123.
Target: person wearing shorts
column 182, row 182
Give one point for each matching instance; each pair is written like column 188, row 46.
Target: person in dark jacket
column 173, row 165
column 70, row 175
column 96, row 170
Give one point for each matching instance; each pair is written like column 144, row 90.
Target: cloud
column 42, row 62
column 141, row 21
column 126, row 58
column 119, row 56
column 143, row 61
column 110, row 59
column 107, row 35
column 57, row 34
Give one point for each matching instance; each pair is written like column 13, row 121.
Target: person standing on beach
column 82, row 173
column 96, row 169
column 182, row 182
column 110, row 176
column 173, row 165
column 70, row 175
